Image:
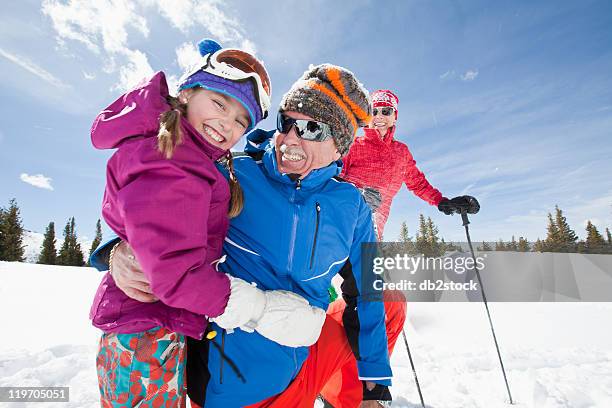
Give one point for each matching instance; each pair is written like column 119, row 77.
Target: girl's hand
column 128, row 275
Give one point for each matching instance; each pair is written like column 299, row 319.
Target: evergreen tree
column 70, row 253
column 438, row 248
column 48, row 253
column 484, row 247
column 11, row 235
column 523, row 245
column 421, row 244
column 451, row 246
column 97, row 239
column 539, row 246
column 2, row 221
column 609, row 236
column 446, row 247
column 512, row 245
column 552, row 243
column 405, row 240
column 567, row 236
column 500, row 245
column 403, row 235
column 594, row 243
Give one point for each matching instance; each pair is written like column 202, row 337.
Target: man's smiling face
column 298, row 156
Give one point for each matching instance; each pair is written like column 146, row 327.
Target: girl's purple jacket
column 172, row 212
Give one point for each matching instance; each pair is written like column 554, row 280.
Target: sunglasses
column 310, row 130
column 384, row 111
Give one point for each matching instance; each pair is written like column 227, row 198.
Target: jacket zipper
column 298, row 186
column 316, row 235
column 297, row 369
column 222, row 356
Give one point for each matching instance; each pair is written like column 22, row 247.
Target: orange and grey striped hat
column 331, row 94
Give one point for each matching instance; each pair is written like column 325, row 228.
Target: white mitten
column 289, row 320
column 244, row 307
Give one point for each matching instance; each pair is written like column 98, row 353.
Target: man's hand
column 375, row 395
column 370, row 404
column 128, row 275
column 370, row 385
column 372, row 197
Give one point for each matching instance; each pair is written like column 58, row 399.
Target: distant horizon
column 110, row 234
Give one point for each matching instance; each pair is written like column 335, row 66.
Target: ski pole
column 416, row 380
column 466, row 221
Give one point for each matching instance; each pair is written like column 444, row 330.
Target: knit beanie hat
column 331, row 94
column 385, row 98
column 242, row 91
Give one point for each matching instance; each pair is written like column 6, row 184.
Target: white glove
column 289, row 320
column 244, row 307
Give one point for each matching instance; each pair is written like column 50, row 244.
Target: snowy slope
column 32, row 241
column 556, row 355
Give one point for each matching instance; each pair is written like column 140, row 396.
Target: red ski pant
column 344, row 389
column 331, row 368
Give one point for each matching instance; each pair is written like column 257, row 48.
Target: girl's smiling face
column 219, row 118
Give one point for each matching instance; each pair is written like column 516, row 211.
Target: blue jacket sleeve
column 99, row 257
column 364, row 315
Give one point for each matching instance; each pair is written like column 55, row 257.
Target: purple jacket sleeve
column 165, row 209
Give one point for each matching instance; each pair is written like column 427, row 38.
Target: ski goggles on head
column 310, row 130
column 383, row 111
column 238, row 65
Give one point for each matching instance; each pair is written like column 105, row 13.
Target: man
column 300, row 226
column 379, row 165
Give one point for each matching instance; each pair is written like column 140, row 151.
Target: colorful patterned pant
column 144, row 369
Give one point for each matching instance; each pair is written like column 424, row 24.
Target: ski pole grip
column 464, row 217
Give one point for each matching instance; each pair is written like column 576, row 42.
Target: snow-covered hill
column 556, row 354
column 32, row 242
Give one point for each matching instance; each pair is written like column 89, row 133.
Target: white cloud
column 187, row 55
column 31, row 67
column 37, row 180
column 94, row 22
column 469, row 75
column 134, row 71
column 102, row 26
column 448, row 75
column 186, row 14
column 248, row 46
column 105, row 26
column 89, row 76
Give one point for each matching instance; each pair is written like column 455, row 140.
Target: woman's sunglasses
column 384, row 111
column 306, row 129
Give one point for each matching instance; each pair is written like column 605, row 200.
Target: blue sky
column 510, row 102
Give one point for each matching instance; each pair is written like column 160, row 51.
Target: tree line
column 12, row 248
column 560, row 237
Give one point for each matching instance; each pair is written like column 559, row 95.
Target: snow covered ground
column 556, row 354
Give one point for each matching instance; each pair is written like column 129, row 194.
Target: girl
column 166, row 198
